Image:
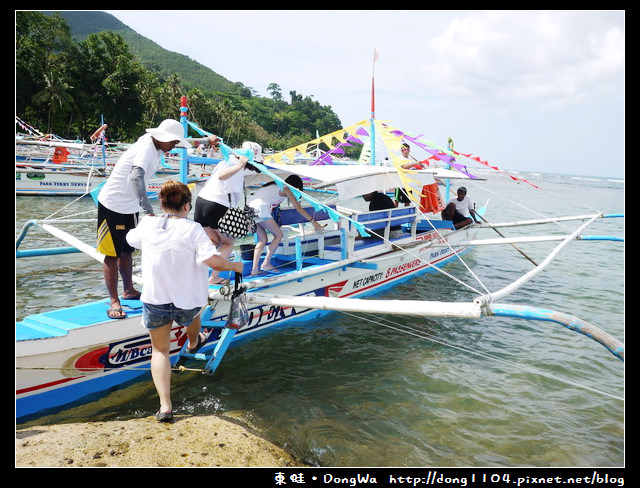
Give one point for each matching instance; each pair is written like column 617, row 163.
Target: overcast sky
column 525, row 90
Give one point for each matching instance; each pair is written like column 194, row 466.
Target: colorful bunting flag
column 393, row 139
column 486, row 163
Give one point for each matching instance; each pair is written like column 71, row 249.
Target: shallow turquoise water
column 361, row 390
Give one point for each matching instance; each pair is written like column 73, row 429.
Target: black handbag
column 238, row 222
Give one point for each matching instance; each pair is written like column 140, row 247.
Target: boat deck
column 58, row 323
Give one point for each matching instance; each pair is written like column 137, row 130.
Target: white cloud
column 548, row 59
column 496, row 81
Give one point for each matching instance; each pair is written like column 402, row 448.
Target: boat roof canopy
column 353, row 180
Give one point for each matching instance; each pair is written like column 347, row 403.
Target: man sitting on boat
column 460, row 210
column 380, row 201
column 400, row 193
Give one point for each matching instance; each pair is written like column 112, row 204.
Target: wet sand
column 205, row 441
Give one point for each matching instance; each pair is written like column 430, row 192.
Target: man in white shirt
column 460, row 210
column 122, row 197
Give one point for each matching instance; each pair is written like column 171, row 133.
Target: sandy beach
column 189, row 441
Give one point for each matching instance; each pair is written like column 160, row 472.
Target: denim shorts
column 154, row 316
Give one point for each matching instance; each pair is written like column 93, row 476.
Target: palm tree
column 54, row 94
column 174, row 92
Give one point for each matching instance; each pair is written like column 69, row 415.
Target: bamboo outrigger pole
column 373, row 109
column 184, row 165
column 422, row 308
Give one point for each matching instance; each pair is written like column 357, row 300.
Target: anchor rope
column 123, row 368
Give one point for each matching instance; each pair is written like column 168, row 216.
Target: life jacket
column 60, row 155
column 430, row 200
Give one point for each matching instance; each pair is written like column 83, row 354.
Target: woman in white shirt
column 176, row 257
column 224, row 189
column 263, row 201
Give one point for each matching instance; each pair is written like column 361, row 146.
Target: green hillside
column 74, row 68
column 150, row 54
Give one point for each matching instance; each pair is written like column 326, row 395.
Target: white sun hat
column 256, row 148
column 170, row 130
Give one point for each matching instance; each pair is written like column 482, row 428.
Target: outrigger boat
column 75, row 354
column 55, row 167
column 79, row 176
column 47, row 165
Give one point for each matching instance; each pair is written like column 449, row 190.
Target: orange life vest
column 60, row 155
column 430, row 200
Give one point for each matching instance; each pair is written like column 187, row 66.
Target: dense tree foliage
column 65, row 86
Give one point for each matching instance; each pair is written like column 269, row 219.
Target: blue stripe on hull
column 74, row 394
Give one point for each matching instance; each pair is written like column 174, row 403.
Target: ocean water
column 362, row 390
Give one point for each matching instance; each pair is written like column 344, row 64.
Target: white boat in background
column 67, row 168
column 63, row 180
column 74, row 354
column 51, row 166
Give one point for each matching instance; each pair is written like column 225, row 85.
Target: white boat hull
column 42, row 180
column 48, row 180
column 92, row 354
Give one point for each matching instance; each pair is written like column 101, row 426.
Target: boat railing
column 383, row 226
column 343, row 240
column 296, row 242
column 386, row 219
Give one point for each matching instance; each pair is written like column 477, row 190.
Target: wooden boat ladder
column 211, row 360
column 235, row 321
